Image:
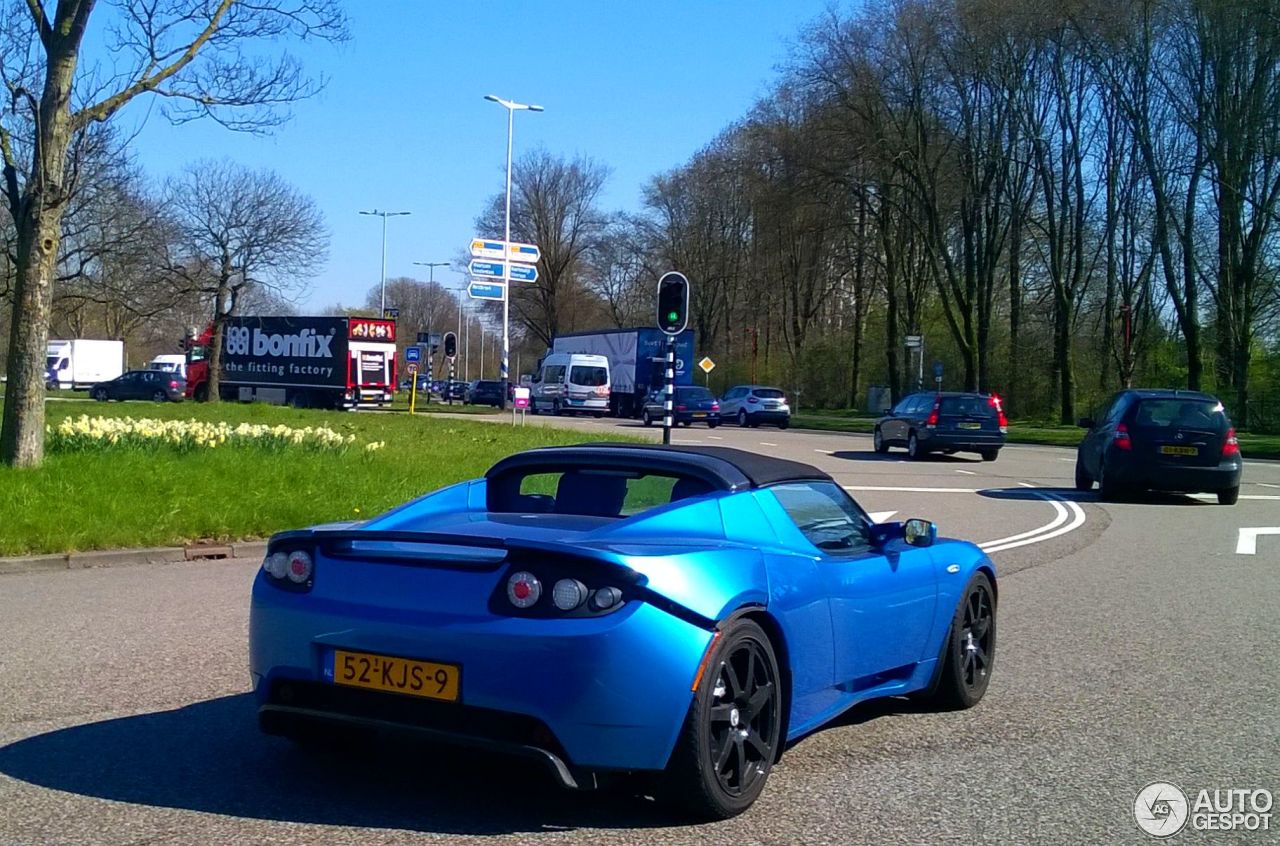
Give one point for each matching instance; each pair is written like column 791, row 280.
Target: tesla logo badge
column 953, row 568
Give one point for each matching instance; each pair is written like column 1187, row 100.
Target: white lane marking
column 967, row 472
column 1077, row 521
column 1066, row 459
column 909, row 490
column 715, row 437
column 1247, row 544
column 766, row 443
column 880, row 516
column 1060, row 518
column 1267, row 485
column 829, row 452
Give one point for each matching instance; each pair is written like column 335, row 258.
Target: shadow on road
column 899, row 457
column 1073, row 495
column 209, row 757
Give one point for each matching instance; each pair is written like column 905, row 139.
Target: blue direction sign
column 413, row 354
column 937, row 370
column 486, row 268
column 485, row 290
column 523, row 272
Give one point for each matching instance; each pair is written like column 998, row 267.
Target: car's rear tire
column 732, row 732
column 990, row 454
column 970, row 649
column 645, row 418
column 1229, row 496
column 782, row 424
column 158, row 396
column 1108, row 490
column 1083, row 482
column 711, row 424
column 878, row 442
column 913, row 447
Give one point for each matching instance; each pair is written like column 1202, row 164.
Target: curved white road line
column 1060, row 518
column 1057, row 502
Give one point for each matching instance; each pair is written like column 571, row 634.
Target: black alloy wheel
column 159, row 396
column 733, row 732
column 970, row 649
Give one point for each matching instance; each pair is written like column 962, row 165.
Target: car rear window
column 967, row 407
column 694, row 394
column 591, row 493
column 768, row 393
column 1177, row 413
column 591, row 377
column 488, row 385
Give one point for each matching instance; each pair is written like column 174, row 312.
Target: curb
column 131, row 557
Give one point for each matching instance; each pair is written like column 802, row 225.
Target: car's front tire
column 742, row 419
column 732, row 732
column 99, row 394
column 970, row 649
column 878, row 442
column 645, row 418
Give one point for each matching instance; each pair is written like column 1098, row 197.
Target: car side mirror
column 919, row 532
column 1085, row 422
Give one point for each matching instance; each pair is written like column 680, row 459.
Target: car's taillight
column 1232, row 446
column 523, row 589
column 715, row 406
column 932, row 419
column 681, row 408
column 291, row 568
column 1122, row 440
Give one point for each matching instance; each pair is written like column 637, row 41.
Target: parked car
column 484, row 392
column 1162, row 440
column 691, row 404
column 141, row 384
column 620, row 608
column 751, row 405
column 455, row 390
column 946, row 423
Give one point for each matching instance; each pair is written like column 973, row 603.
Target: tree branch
column 42, row 23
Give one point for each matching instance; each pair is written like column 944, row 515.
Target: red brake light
column 681, row 408
column 932, row 419
column 173, row 383
column 715, row 406
column 1232, row 446
column 1122, row 440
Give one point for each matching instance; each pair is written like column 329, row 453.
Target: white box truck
column 82, row 363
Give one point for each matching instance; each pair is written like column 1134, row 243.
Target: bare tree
column 243, row 231
column 192, row 53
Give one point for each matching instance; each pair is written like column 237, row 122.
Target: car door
column 894, row 429
column 882, row 599
column 1093, row 447
column 729, row 402
column 126, row 387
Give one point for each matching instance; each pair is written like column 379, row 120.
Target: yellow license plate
column 1177, row 450
column 397, row 675
column 970, row 425
column 699, row 414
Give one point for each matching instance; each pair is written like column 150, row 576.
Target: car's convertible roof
column 724, row 468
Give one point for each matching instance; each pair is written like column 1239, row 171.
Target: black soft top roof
column 724, row 468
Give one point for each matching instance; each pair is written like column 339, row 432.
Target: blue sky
column 402, row 123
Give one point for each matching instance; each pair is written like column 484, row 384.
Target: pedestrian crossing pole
column 671, row 389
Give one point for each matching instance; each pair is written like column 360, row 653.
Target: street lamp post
column 512, row 107
column 384, row 215
column 432, row 265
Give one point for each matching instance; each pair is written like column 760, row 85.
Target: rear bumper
column 609, row 693
column 688, row 417
column 1166, row 477
column 965, row 441
column 768, row 416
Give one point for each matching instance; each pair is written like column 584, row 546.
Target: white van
column 169, row 364
column 569, row 383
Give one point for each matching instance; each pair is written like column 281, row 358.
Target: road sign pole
column 450, row 391
column 506, row 270
column 413, row 391
column 429, row 374
column 671, row 390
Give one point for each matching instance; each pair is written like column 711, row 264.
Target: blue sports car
column 619, row 608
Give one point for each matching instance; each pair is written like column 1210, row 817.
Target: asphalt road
column 1136, row 645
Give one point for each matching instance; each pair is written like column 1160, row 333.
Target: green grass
column 122, row 498
column 1032, row 432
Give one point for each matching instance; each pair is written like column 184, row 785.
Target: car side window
column 1116, row 411
column 826, row 516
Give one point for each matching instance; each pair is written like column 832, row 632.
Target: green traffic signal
column 673, row 316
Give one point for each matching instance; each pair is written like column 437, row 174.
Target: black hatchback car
column 691, row 404
column 484, row 392
column 1162, row 440
column 946, row 423
column 155, row 385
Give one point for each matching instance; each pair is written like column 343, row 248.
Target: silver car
column 751, row 405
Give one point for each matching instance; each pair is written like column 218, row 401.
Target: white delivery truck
column 81, row 363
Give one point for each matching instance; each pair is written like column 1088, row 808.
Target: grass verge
column 1253, row 446
column 144, row 497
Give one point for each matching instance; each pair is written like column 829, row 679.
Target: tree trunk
column 1064, row 360
column 22, row 441
column 215, row 357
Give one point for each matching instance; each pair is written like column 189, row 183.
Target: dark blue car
column 944, row 422
column 683, row 611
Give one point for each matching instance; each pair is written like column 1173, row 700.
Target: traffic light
column 673, row 303
column 451, row 344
